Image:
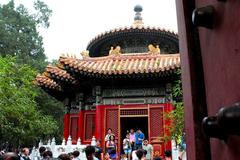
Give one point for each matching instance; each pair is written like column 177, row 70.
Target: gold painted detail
column 115, row 52
column 85, row 54
column 153, row 50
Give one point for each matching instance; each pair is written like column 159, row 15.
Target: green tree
column 19, row 37
column 177, row 115
column 50, row 106
column 21, row 122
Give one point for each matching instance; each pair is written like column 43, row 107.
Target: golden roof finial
column 138, row 18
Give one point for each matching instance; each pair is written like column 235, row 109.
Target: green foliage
column 19, row 37
column 50, row 106
column 176, row 116
column 43, row 14
column 21, row 122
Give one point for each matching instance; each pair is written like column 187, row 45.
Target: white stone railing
column 65, row 147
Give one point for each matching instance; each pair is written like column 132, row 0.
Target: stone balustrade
column 65, row 147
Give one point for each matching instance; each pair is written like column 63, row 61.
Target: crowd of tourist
column 134, row 147
column 92, row 153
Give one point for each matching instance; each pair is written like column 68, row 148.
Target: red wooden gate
column 210, row 58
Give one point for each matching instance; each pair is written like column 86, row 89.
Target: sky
column 75, row 22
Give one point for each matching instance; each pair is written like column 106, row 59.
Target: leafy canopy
column 21, row 122
column 19, row 35
column 20, row 38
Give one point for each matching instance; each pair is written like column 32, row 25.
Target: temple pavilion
column 123, row 80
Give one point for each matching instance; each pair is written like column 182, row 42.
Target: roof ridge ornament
column 138, row 23
column 115, row 52
column 154, row 50
column 85, row 54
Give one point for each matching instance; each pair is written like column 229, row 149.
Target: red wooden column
column 80, row 124
column 66, row 125
column 99, row 131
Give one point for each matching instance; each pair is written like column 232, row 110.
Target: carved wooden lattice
column 134, row 112
column 112, row 120
column 156, row 122
column 89, row 126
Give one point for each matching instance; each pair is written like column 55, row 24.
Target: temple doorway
column 127, row 123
